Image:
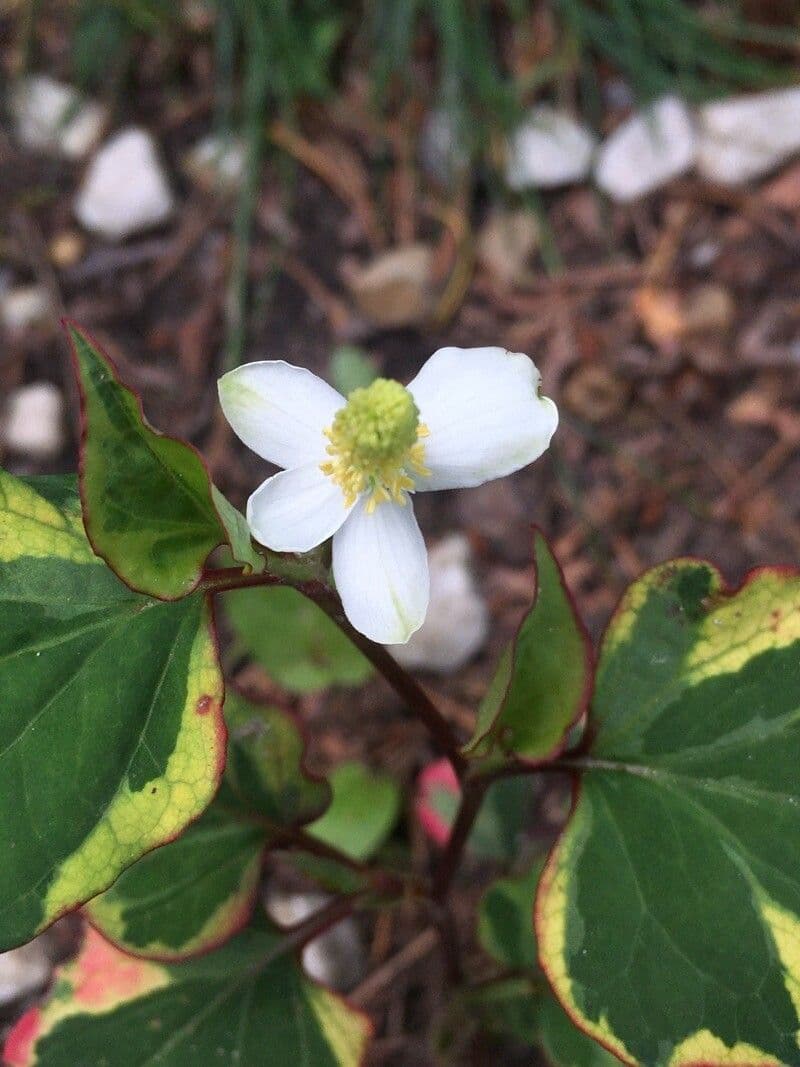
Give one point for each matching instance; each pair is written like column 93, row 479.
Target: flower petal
column 381, row 571
column 296, row 510
column 279, row 411
column 484, row 413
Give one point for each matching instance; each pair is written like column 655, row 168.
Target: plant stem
column 303, row 841
column 417, row 700
column 416, row 950
column 419, row 703
column 448, row 938
column 339, row 908
column 471, row 801
column 224, row 579
column 399, row 679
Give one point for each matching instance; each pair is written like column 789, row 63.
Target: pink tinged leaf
column 103, row 976
column 436, row 779
column 23, row 1036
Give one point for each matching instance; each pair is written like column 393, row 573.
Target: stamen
column 376, row 443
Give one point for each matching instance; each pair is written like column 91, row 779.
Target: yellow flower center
column 376, row 444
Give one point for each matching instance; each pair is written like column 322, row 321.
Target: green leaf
column 329, row 874
column 299, row 646
column 244, row 1005
column 543, row 681
column 351, row 369
column 111, row 735
column 238, row 534
column 563, row 1044
column 187, row 897
column 147, row 499
column 195, row 893
column 528, row 1010
column 668, row 916
column 266, row 772
column 502, row 819
column 363, row 811
column 509, row 1006
column 505, row 919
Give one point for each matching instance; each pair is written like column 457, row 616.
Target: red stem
column 418, row 701
column 399, row 679
column 471, row 801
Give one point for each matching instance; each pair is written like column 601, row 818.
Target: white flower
column 470, row 415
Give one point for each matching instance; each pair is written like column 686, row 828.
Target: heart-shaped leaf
column 297, row 644
column 668, row 916
column 195, row 893
column 543, row 682
column 148, row 504
column 362, row 813
column 244, row 1005
column 111, row 734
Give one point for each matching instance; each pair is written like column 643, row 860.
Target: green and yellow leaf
column 244, row 1005
column 187, row 897
column 148, row 504
column 668, row 916
column 543, row 682
column 562, row 1043
column 111, row 734
column 195, row 893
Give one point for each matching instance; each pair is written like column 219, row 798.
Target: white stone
column 442, row 154
column 506, row 242
column 53, row 117
column 746, row 137
column 125, row 189
column 217, row 163
column 647, row 151
column 34, row 420
column 548, row 150
column 335, row 958
column 457, row 621
column 396, row 287
column 23, row 970
column 24, row 307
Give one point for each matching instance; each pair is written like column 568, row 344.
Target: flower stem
column 224, row 579
column 399, row 679
column 418, row 701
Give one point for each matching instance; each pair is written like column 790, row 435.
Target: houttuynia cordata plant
column 663, row 929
